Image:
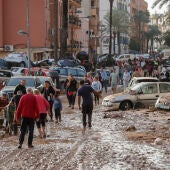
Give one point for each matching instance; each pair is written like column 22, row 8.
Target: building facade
column 137, row 32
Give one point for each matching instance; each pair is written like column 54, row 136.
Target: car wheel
column 22, row 64
column 125, row 105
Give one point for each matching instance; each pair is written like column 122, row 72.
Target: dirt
column 118, row 140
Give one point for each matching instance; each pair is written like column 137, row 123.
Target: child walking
column 97, row 86
column 57, row 107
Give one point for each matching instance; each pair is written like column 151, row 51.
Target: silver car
column 144, row 93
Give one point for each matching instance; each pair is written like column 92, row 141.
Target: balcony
column 76, row 3
column 74, row 20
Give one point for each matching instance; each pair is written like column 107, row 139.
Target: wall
column 15, row 19
column 1, row 23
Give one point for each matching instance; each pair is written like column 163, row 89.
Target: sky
column 157, row 9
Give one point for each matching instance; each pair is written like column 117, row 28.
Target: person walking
column 57, row 107
column 27, row 111
column 126, row 78
column 97, row 86
column 48, row 92
column 20, row 87
column 103, row 78
column 114, row 80
column 85, row 92
column 44, row 108
column 72, row 90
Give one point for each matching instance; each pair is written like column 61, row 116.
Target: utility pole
column 28, row 35
column 55, row 31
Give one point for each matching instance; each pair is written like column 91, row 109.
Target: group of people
column 29, row 106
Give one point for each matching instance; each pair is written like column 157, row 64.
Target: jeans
column 104, row 85
column 87, row 110
column 58, row 114
column 26, row 122
column 51, row 109
column 72, row 99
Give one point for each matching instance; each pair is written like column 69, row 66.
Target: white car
column 17, row 58
column 125, row 57
column 144, row 93
column 163, row 102
column 17, row 71
column 136, row 80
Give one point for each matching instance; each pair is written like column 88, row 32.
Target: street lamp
column 22, row 32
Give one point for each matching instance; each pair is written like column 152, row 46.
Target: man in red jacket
column 28, row 111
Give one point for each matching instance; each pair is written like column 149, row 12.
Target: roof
column 140, row 78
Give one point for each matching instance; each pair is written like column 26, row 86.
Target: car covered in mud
column 163, row 102
column 145, row 93
column 136, row 80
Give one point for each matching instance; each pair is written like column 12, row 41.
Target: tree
column 134, row 45
column 110, row 28
column 140, row 19
column 166, row 37
column 120, row 24
column 160, row 3
column 153, row 32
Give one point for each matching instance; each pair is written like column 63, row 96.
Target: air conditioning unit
column 8, row 48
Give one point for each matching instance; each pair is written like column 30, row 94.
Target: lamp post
column 27, row 32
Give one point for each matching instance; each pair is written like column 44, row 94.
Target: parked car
column 125, row 57
column 136, row 80
column 103, row 60
column 145, row 93
column 70, row 63
column 163, row 102
column 45, row 62
column 33, row 82
column 18, row 71
column 17, row 59
column 64, row 72
column 3, row 64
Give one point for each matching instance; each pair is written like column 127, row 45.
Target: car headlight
column 113, row 100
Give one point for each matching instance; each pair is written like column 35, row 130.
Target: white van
column 125, row 57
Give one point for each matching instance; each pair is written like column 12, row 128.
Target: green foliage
column 120, row 21
column 160, row 3
column 134, row 45
column 166, row 37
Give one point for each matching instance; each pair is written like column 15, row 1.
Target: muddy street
column 129, row 140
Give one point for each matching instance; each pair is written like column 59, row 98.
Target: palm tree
column 110, row 28
column 161, row 3
column 153, row 32
column 140, row 19
column 120, row 24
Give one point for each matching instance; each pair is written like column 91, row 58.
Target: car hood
column 118, row 96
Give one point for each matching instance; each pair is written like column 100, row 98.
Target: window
column 150, row 89
column 81, row 73
column 63, row 71
column 72, row 71
column 164, row 88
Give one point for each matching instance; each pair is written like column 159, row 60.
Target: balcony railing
column 75, row 20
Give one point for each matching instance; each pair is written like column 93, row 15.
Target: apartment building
column 135, row 7
column 13, row 17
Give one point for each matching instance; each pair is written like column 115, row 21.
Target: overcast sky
column 157, row 9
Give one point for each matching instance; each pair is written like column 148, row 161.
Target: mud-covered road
column 129, row 140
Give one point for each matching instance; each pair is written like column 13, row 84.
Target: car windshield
column 30, row 82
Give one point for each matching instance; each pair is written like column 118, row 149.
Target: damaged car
column 145, row 93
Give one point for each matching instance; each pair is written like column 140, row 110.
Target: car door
column 164, row 88
column 149, row 94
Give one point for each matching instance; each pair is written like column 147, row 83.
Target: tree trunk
column 118, row 42
column 110, row 29
column 114, row 39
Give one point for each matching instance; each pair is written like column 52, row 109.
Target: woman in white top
column 126, row 78
column 97, row 86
